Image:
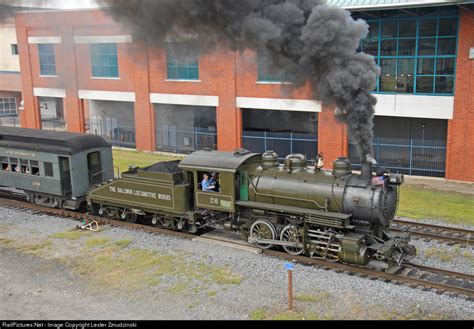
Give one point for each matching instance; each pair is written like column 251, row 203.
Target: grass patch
column 96, row 242
column 412, row 314
column 313, row 298
column 35, row 248
column 137, row 268
column 5, row 241
column 70, row 235
column 179, row 288
column 424, row 203
column 447, row 256
column 123, row 243
column 123, row 159
column 260, row 314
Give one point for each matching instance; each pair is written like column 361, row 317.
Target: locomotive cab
column 225, row 165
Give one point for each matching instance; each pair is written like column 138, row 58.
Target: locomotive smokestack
column 367, row 166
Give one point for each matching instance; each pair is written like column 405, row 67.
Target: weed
column 70, row 235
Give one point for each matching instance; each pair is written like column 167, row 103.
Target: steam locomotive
column 334, row 215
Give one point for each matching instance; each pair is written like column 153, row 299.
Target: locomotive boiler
column 334, row 215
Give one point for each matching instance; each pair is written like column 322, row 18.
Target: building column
column 459, row 152
column 72, row 104
column 143, row 109
column 228, row 116
column 31, row 117
column 332, row 137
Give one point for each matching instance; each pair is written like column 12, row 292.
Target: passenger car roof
column 49, row 141
column 217, row 160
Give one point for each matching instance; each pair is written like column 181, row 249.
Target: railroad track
column 434, row 232
column 412, row 275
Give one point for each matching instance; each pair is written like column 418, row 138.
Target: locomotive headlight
column 396, row 179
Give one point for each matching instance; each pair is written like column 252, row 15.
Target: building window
column 104, row 60
column 268, row 72
column 14, row 48
column 46, row 59
column 183, row 61
column 416, row 54
column 7, row 106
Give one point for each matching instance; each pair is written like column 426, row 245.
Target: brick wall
column 460, row 150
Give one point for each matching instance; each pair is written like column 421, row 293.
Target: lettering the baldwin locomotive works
column 145, row 194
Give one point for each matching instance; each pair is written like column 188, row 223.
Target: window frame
column 104, row 58
column 174, row 67
column 5, row 105
column 416, row 56
column 47, row 59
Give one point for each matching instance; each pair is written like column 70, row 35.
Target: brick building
column 80, row 71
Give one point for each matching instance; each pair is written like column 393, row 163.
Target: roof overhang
column 400, row 5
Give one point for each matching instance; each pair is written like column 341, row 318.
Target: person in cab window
column 206, row 184
column 214, row 182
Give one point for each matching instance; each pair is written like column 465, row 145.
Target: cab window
column 209, row 181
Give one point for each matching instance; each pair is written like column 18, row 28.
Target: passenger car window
column 35, row 170
column 14, row 165
column 48, row 169
column 25, row 166
column 5, row 163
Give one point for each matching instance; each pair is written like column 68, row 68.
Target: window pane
column 46, row 59
column 407, row 28
column 427, row 28
column 445, row 66
column 388, row 48
column 104, row 60
column 447, row 27
column 446, row 46
column 373, row 30
column 444, row 84
column 407, row 47
column 387, row 77
column 48, row 169
column 389, row 29
column 426, row 46
column 424, row 85
column 182, row 72
column 182, row 61
column 425, row 66
column 405, row 74
column 371, row 47
column 172, row 73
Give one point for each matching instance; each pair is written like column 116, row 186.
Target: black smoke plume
column 313, row 41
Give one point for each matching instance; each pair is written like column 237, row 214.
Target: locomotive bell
column 342, row 167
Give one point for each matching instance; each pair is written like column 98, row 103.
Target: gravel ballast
column 44, row 285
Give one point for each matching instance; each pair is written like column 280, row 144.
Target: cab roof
column 49, row 141
column 217, row 160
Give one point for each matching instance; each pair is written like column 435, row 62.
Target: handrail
column 92, row 182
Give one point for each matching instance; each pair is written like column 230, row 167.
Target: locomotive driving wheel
column 262, row 229
column 291, row 233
